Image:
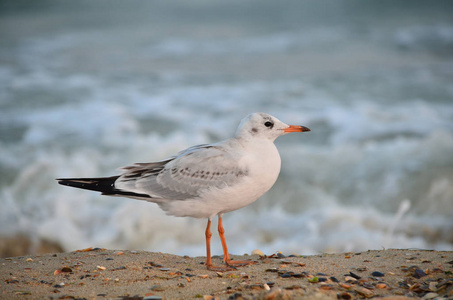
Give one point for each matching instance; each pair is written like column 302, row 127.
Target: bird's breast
column 262, row 162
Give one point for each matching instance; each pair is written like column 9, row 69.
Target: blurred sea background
column 90, row 86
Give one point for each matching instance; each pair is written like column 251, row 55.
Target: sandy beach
column 115, row 274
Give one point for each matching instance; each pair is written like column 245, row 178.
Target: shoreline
column 115, row 274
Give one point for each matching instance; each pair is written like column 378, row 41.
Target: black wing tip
column 105, row 185
column 101, row 184
column 62, row 180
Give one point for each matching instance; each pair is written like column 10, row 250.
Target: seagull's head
column 262, row 125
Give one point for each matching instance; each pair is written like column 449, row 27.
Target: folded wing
column 185, row 176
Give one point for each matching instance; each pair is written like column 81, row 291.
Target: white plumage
column 205, row 180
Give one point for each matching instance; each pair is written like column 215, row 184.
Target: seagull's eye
column 269, row 124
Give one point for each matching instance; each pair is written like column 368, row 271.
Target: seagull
column 205, row 180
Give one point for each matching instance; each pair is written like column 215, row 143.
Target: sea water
column 88, row 87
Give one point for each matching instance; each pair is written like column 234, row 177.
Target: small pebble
column 287, row 275
column 381, row 286
column 273, row 270
column 57, row 272
column 354, row 275
column 377, row 274
column 345, row 285
column 334, row 279
column 433, row 286
column 293, row 287
column 101, row 268
column 350, row 279
column 23, row 293
column 258, row 252
column 326, row 287
column 300, row 264
column 255, row 287
column 157, row 288
column 286, row 262
column 66, row 270
column 418, row 273
column 430, row 295
column 367, row 285
column 364, row 291
column 29, row 259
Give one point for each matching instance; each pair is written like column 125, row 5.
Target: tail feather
column 105, row 185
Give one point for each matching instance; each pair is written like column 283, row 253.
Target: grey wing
column 185, row 176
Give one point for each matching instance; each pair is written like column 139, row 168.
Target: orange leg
column 208, row 244
column 209, row 265
column 226, row 255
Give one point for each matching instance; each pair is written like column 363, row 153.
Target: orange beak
column 296, row 128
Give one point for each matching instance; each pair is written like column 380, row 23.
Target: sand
column 114, row 274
